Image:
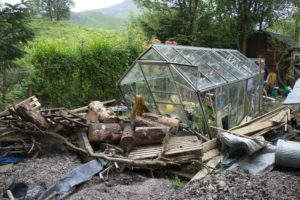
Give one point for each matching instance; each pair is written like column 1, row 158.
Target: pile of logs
column 94, row 125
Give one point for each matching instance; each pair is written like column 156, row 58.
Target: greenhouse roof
column 203, row 68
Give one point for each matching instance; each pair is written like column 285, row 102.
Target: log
column 167, row 121
column 127, row 141
column 143, row 122
column 104, row 132
column 97, row 112
column 28, row 114
column 150, row 135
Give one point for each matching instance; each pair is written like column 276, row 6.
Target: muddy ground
column 49, row 170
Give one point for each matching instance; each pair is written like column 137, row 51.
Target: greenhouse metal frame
column 202, row 87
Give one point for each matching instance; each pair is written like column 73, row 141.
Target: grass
column 178, row 183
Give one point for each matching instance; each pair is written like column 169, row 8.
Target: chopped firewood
column 97, row 112
column 104, row 132
column 127, row 141
column 150, row 135
column 167, row 121
column 143, row 122
column 26, row 112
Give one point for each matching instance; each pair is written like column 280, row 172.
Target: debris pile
column 95, row 131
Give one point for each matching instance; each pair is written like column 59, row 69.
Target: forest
column 43, row 53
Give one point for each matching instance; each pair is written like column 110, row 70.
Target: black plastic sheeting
column 77, row 176
column 254, row 156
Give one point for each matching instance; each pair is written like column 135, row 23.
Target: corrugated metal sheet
column 294, row 96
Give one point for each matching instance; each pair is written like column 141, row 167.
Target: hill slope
column 122, row 10
column 110, row 18
column 95, row 19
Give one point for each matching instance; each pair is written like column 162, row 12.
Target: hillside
column 96, row 19
column 66, row 31
column 110, row 18
column 122, row 10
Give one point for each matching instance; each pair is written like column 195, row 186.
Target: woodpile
column 96, row 131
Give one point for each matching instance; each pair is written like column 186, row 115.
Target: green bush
column 73, row 75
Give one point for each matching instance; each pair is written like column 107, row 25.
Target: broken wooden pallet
column 174, row 146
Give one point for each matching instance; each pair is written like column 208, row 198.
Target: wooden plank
column 175, row 145
column 246, row 119
column 210, row 154
column 210, row 166
column 209, row 145
column 279, row 117
column 252, row 128
column 260, row 117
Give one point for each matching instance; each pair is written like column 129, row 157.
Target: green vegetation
column 178, row 183
column 69, row 65
column 14, row 33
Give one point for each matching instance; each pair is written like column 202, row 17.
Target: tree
column 252, row 14
column 278, row 51
column 14, row 33
column 56, row 10
column 170, row 19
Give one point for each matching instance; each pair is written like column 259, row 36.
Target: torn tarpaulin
column 254, row 156
column 77, row 176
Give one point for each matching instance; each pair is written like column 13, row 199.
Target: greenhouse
column 202, row 87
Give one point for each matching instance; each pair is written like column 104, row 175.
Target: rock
column 221, row 184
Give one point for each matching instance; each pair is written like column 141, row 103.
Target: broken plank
column 210, row 166
column 211, row 144
column 210, row 154
column 175, row 145
column 252, row 128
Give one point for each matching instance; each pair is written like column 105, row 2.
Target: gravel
column 48, row 170
column 44, row 171
column 238, row 185
column 125, row 186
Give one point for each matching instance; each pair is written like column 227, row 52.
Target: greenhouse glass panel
column 174, row 111
column 236, row 63
column 194, row 76
column 208, row 100
column 193, row 56
column 241, row 95
column 214, row 62
column 134, row 75
column 222, row 107
column 171, row 55
column 158, row 77
column 249, row 98
column 152, row 54
column 233, row 99
column 228, row 67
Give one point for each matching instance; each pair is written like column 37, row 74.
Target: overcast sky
column 83, row 4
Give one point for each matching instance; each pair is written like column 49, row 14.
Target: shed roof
column 203, row 67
